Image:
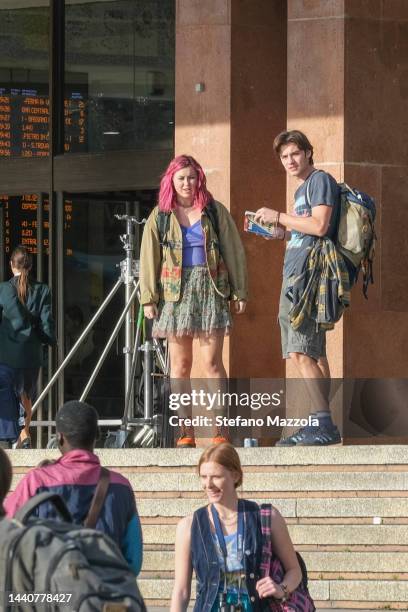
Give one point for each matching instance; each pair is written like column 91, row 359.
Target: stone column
column 347, row 90
column 236, row 53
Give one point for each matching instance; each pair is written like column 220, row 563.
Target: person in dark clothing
column 26, row 325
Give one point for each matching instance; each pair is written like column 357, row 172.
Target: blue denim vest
column 205, row 560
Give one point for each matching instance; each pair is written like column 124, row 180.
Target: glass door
column 92, row 254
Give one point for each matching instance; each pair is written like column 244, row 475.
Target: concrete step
column 264, row 481
column 316, row 561
column 312, row 535
column 346, row 591
column 305, row 456
column 328, row 507
column 346, row 508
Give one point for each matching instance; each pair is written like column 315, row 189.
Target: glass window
column 93, row 250
column 119, row 75
column 19, row 224
column 24, row 35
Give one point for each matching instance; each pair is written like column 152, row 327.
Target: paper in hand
column 267, row 230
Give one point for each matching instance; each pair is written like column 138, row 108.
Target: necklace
column 230, row 518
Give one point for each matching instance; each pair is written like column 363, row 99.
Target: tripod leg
column 135, row 359
column 148, row 372
column 76, row 345
column 108, row 346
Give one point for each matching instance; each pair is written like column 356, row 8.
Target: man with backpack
column 75, row 476
column 316, row 210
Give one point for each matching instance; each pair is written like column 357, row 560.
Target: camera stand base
column 140, row 433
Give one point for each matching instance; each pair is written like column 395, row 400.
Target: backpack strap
column 163, row 222
column 48, row 496
column 266, row 522
column 337, row 208
column 308, row 184
column 98, row 499
column 266, row 558
column 212, row 214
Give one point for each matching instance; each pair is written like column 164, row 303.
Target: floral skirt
column 200, row 311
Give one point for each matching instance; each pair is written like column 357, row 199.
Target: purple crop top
column 193, row 245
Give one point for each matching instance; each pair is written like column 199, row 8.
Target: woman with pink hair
column 192, row 263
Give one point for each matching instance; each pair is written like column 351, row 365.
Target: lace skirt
column 200, row 311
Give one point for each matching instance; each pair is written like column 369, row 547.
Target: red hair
column 226, row 455
column 167, row 193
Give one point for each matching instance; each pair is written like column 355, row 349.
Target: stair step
column 312, row 535
column 321, row 507
column 365, row 456
column 352, row 591
column 346, row 508
column 367, row 562
column 321, row 481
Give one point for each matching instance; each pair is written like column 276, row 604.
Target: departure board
column 24, row 121
column 20, row 222
column 24, row 130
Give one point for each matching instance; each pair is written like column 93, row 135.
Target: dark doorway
column 92, row 253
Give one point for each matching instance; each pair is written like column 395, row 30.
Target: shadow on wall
column 379, row 406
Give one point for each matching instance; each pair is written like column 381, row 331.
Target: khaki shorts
column 308, row 341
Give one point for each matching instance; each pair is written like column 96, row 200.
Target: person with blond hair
column 222, row 542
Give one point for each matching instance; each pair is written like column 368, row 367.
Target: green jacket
column 24, row 329
column 162, row 279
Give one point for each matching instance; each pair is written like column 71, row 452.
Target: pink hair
column 167, row 193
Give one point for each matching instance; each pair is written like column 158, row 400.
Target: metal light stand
column 145, row 430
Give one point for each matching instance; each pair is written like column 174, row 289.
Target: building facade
column 87, row 127
column 97, row 96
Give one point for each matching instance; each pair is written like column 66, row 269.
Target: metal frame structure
column 119, row 171
column 149, row 426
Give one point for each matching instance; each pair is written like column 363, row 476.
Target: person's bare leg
column 181, row 361
column 323, row 364
column 216, row 375
column 25, row 433
column 211, row 356
column 181, row 357
column 316, row 375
